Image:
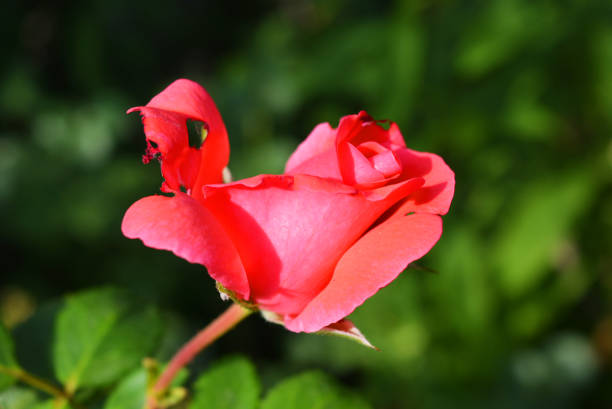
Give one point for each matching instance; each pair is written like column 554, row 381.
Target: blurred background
column 516, row 95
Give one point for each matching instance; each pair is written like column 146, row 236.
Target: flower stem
column 223, row 323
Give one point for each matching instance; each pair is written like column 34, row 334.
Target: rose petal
column 436, row 194
column 324, row 165
column 370, row 148
column 290, row 232
column 386, row 163
column 164, row 118
column 370, row 264
column 356, row 169
column 395, row 136
column 320, row 140
column 361, row 128
column 168, row 131
column 185, row 227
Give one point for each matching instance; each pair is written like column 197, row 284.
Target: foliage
column 101, row 333
column 232, row 384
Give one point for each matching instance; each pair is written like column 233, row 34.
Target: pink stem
column 223, row 323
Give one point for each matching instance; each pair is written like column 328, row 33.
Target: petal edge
column 371, row 263
column 182, row 225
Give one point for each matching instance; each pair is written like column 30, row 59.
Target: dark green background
column 516, row 95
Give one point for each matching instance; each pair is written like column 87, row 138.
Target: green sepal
column 224, row 292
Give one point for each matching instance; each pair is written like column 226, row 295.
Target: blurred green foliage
column 92, row 330
column 516, row 95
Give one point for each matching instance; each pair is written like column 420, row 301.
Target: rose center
column 381, row 158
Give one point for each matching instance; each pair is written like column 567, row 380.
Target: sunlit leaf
column 310, row 390
column 232, row 384
column 130, row 393
column 17, row 398
column 100, row 335
column 542, row 214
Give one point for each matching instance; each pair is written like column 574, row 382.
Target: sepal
column 343, row 328
column 226, row 295
column 346, row 329
column 169, row 397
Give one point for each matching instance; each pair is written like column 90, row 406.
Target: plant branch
column 38, row 383
column 34, row 381
column 223, row 323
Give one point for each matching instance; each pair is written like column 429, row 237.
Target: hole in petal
column 384, row 123
column 197, row 131
column 151, row 152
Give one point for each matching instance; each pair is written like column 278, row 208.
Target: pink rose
column 352, row 210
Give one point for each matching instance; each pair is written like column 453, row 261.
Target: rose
column 352, row 210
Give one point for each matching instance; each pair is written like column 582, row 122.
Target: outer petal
column 395, row 136
column 324, row 165
column 321, row 139
column 164, row 118
column 291, row 231
column 185, row 227
column 370, row 264
column 436, row 194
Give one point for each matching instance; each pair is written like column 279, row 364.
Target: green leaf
column 7, row 357
column 130, row 393
column 541, row 218
column 232, row 384
column 310, row 390
column 100, row 335
column 132, row 390
column 52, row 404
column 17, row 398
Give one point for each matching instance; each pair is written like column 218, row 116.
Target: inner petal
column 356, row 168
column 386, row 163
column 371, row 148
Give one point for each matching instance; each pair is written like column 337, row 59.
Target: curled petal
column 182, row 225
column 360, row 128
column 371, row 148
column 164, row 119
column 371, row 263
column 437, row 192
column 360, row 145
column 166, row 134
column 356, row 169
column 386, row 163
